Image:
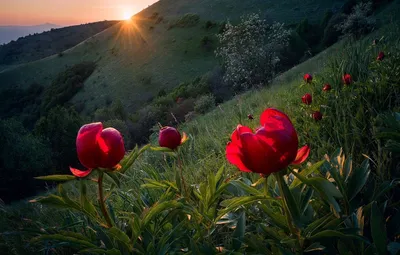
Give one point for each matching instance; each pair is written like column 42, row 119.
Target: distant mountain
column 9, row 33
column 40, row 45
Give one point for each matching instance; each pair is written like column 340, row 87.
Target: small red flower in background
column 170, row 137
column 327, row 87
column 381, row 56
column 317, row 115
column 98, row 148
column 307, row 99
column 347, row 80
column 272, row 148
column 308, row 78
column 250, row 117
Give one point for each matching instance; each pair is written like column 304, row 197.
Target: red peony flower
column 327, row 87
column 270, row 149
column 381, row 56
column 98, row 148
column 307, row 99
column 347, row 80
column 171, row 138
column 250, row 117
column 308, row 78
column 317, row 115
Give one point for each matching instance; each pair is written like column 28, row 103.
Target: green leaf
column 393, row 248
column 161, row 149
column 121, row 237
column 114, row 177
column 153, row 184
column 56, row 178
column 378, row 230
column 238, row 234
column 306, row 172
column 156, row 209
column 244, row 187
column 131, row 158
column 72, row 241
column 51, row 200
column 291, row 204
column 234, row 203
column 334, row 233
column 100, row 251
column 325, row 188
column 357, row 179
column 315, row 247
column 219, row 174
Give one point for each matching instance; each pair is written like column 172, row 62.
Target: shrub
column 59, row 128
column 209, row 24
column 331, row 33
column 250, row 51
column 22, row 157
column 66, row 85
column 359, row 22
column 204, row 104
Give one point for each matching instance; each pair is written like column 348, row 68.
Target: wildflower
column 307, row 99
column 317, row 115
column 308, row 78
column 327, row 87
column 347, row 80
column 170, row 137
column 272, row 147
column 98, row 148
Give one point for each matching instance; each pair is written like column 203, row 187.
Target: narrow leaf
column 56, row 178
column 378, row 230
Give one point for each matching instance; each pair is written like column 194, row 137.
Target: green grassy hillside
column 136, row 60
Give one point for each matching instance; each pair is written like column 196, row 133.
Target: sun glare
column 127, row 15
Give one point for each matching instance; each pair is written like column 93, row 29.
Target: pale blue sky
column 67, row 12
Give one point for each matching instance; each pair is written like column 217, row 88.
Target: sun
column 127, row 15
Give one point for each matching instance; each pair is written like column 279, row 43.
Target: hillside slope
column 135, row 60
column 37, row 46
column 9, row 33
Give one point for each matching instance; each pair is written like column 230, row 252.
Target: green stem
column 292, row 228
column 181, row 174
column 102, row 202
column 266, row 185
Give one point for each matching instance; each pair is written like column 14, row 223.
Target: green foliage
column 59, row 128
column 66, row 85
column 204, row 104
column 359, row 22
column 22, row 157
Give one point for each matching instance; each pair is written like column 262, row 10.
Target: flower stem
column 181, row 174
column 292, row 228
column 102, row 202
column 266, row 185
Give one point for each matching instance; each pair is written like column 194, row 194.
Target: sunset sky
column 67, row 12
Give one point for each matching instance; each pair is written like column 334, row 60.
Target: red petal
column 235, row 137
column 302, row 155
column 112, row 147
column 256, row 154
column 235, row 156
column 169, row 137
column 80, row 173
column 86, row 144
column 271, row 112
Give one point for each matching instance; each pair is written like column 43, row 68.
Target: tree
column 359, row 22
column 250, row 51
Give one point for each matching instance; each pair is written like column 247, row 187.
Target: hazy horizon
column 67, row 13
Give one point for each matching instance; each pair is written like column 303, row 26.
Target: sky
column 67, row 12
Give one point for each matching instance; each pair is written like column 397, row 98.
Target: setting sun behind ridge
column 127, row 14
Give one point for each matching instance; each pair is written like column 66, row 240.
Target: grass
column 203, row 155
